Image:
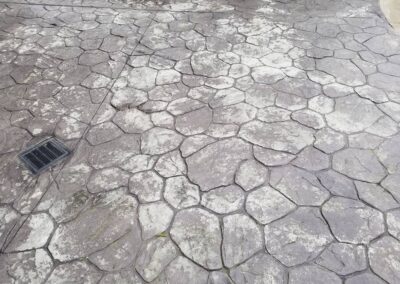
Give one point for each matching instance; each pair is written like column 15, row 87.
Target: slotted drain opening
column 41, row 156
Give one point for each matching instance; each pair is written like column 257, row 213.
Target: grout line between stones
column 12, row 235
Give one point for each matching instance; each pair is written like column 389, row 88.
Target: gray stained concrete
column 243, row 142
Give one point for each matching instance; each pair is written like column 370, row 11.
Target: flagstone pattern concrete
column 213, row 142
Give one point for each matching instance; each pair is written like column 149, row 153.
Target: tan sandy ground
column 391, row 9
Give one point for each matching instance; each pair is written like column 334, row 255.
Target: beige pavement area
column 391, row 9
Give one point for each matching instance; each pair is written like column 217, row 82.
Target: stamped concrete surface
column 213, row 142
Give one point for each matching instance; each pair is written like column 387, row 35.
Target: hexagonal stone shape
column 25, row 267
column 251, row 174
column 286, row 136
column 223, row 200
column 343, row 258
column 111, row 217
column 33, row 234
column 267, row 204
column 353, row 114
column 343, row 70
column 384, row 258
column 298, row 237
column 299, row 185
column 155, row 256
column 241, row 239
column 261, row 268
column 352, row 221
column 159, row 141
column 359, row 164
column 312, row 274
column 198, row 235
column 206, row 63
column 215, row 165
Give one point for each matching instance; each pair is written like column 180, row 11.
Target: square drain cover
column 43, row 155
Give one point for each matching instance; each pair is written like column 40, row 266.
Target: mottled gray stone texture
column 213, row 142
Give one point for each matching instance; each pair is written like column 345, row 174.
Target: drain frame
column 43, row 155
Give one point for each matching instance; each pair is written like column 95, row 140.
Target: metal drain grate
column 43, row 155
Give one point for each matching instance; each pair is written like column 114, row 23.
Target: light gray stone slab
column 198, row 235
column 280, row 136
column 33, row 234
column 346, row 119
column 359, row 164
column 298, row 237
column 299, row 185
column 261, row 268
column 147, row 186
column 251, row 174
column 237, row 246
column 155, row 256
column 383, row 258
column 223, row 200
column 312, row 274
column 112, row 216
column 352, row 221
column 26, row 267
column 154, row 218
column 182, row 271
column 343, row 258
column 267, row 204
column 159, row 141
column 181, row 193
column 216, row 164
column 76, row 271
